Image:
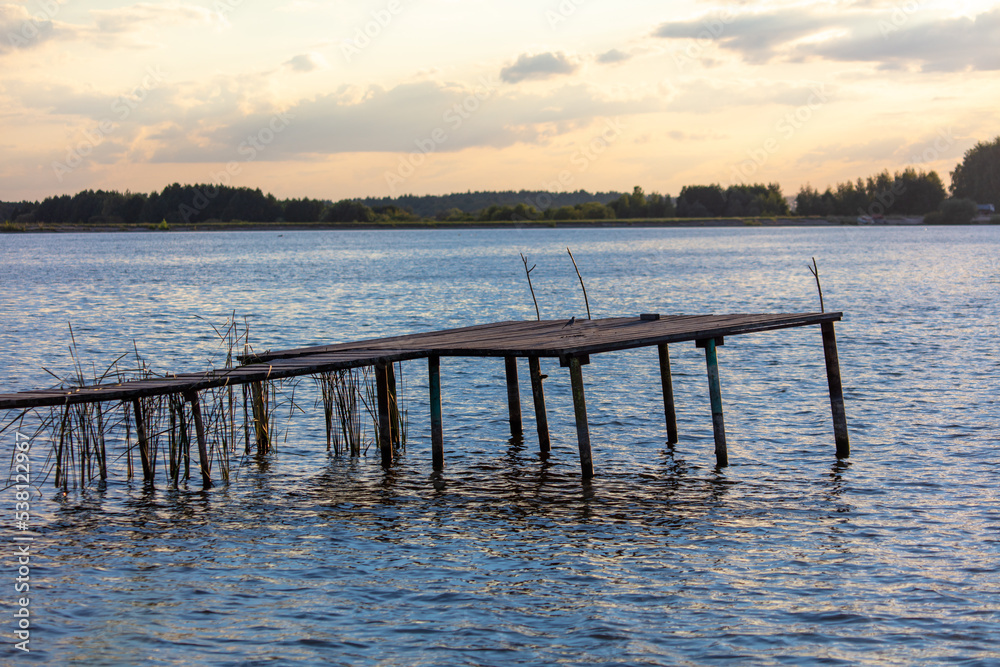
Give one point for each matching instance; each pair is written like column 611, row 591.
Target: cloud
column 707, row 95
column 127, row 19
column 873, row 152
column 756, row 37
column 886, row 35
column 541, row 66
column 396, row 120
column 679, row 135
column 20, row 30
column 613, row 56
column 300, row 7
column 945, row 45
column 131, row 26
column 305, row 62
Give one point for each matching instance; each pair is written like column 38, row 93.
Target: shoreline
column 42, row 228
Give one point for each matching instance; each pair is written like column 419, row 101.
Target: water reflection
column 786, row 556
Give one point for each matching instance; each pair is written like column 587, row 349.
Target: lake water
column 787, row 556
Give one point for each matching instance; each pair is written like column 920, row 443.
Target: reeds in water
column 152, row 437
column 340, row 392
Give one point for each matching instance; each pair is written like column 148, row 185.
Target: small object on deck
column 571, row 321
column 649, row 317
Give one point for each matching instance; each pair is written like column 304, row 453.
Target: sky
column 339, row 99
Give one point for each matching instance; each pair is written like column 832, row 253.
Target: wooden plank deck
column 546, row 338
column 572, row 342
column 553, row 338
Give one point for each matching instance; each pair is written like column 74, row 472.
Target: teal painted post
column 538, row 394
column 384, row 426
column 513, row 397
column 437, row 430
column 582, row 428
column 668, row 394
column 715, row 391
column 836, row 391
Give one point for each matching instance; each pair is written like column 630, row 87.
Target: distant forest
column 908, row 192
column 429, row 206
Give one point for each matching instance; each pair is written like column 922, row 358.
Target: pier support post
column 580, row 408
column 538, row 394
column 143, row 441
column 668, row 394
column 437, row 429
column 384, row 427
column 199, row 427
column 394, row 421
column 513, row 397
column 836, row 391
column 715, row 392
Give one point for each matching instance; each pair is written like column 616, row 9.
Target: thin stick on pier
column 815, row 271
column 527, row 272
column 582, row 286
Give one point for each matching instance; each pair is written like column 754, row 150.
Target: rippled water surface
column 785, row 557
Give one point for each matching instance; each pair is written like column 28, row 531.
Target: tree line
column 191, row 204
column 907, row 192
column 433, row 206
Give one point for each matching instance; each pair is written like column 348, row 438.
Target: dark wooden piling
column 836, row 390
column 384, row 426
column 437, row 429
column 580, row 408
column 261, row 417
column 513, row 397
column 199, row 428
column 668, row 393
column 538, row 394
column 569, row 342
column 143, row 441
column 715, row 392
column 395, row 423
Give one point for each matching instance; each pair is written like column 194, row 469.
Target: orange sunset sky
column 344, row 99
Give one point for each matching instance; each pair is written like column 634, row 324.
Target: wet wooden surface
column 546, row 338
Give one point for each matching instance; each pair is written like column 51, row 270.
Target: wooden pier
column 573, row 343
